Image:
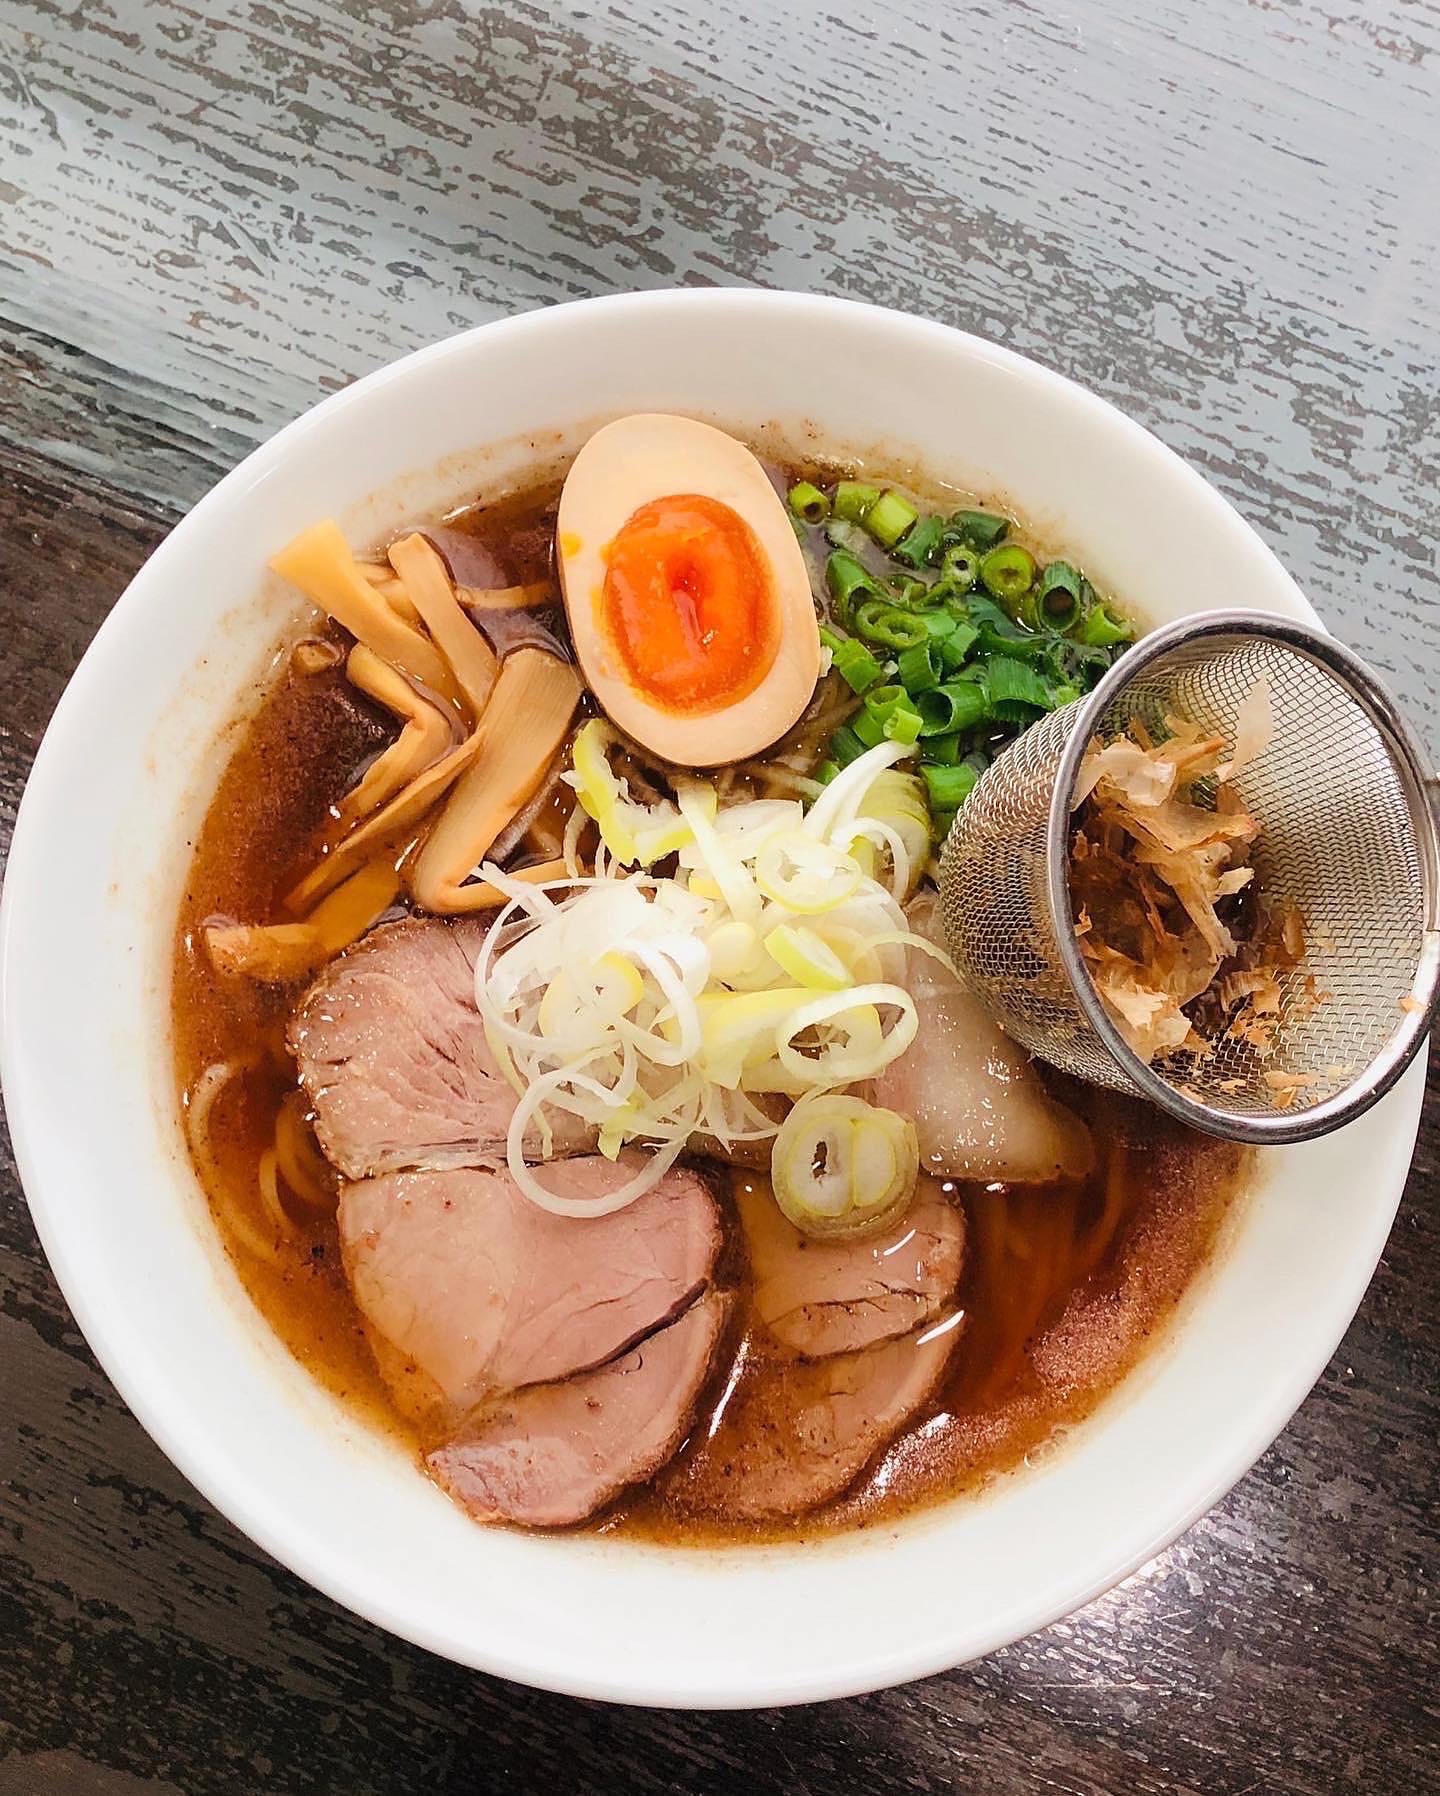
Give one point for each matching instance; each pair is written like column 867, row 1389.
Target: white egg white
column 651, row 456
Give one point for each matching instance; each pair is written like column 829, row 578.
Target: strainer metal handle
column 1005, row 870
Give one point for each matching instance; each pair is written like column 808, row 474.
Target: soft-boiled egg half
column 686, row 589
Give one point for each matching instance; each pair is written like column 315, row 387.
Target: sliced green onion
column 956, row 705
column 1008, row 681
column 1099, row 626
column 982, row 528
column 845, row 746
column 853, row 499
column 857, row 667
column 1000, row 634
column 909, row 591
column 938, row 623
column 949, row 787
column 921, row 545
column 889, row 518
column 944, row 751
column 848, row 580
column 888, row 715
column 956, row 645
column 887, row 625
column 1075, row 663
column 960, row 565
column 808, row 502
column 869, row 722
column 1057, row 601
column 1008, row 573
column 903, row 724
column 825, row 772
column 854, row 663
column 942, row 822
column 920, row 668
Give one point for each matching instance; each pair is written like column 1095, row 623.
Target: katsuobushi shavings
column 1182, row 947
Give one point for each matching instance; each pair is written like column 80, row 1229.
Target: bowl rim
column 244, row 1502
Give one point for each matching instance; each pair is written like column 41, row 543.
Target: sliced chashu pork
column 393, row 1056
column 798, row 1434
column 467, row 1288
column 823, row 1297
column 553, row 1454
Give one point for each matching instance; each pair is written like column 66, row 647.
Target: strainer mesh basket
column 1346, row 837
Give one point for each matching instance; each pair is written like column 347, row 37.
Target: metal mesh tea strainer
column 1347, row 835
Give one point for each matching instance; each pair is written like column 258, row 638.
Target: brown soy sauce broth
column 1063, row 1286
column 1062, row 1289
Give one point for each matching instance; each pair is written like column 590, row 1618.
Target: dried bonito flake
column 1180, row 943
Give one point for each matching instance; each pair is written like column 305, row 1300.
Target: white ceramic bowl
column 131, row 759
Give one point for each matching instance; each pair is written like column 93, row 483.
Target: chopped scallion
column 1008, row 681
column 841, row 534
column 845, row 746
column 1000, row 634
column 889, row 518
column 982, row 528
column 920, row 545
column 1057, row 600
column 956, row 645
column 949, row 787
column 908, row 591
column 857, row 667
column 887, row 625
column 944, row 751
column 1008, row 574
column 808, row 502
column 887, row 715
column 1099, row 626
column 961, row 639
column 849, row 581
column 869, row 722
column 920, row 668
column 853, row 499
column 955, row 705
column 960, row 567
column 1076, row 663
column 940, row 623
column 903, row 724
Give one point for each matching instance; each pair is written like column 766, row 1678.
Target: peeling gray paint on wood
column 1224, row 218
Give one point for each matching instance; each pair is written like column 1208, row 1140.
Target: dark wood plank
column 1221, row 217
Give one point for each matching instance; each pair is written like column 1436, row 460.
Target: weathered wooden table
column 1224, row 217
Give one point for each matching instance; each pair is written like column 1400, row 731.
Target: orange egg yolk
column 688, row 605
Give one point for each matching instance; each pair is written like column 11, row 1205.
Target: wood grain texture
column 1224, row 218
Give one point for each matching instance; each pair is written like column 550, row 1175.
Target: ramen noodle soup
column 564, row 1035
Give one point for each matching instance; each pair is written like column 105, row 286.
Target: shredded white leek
column 655, row 1008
